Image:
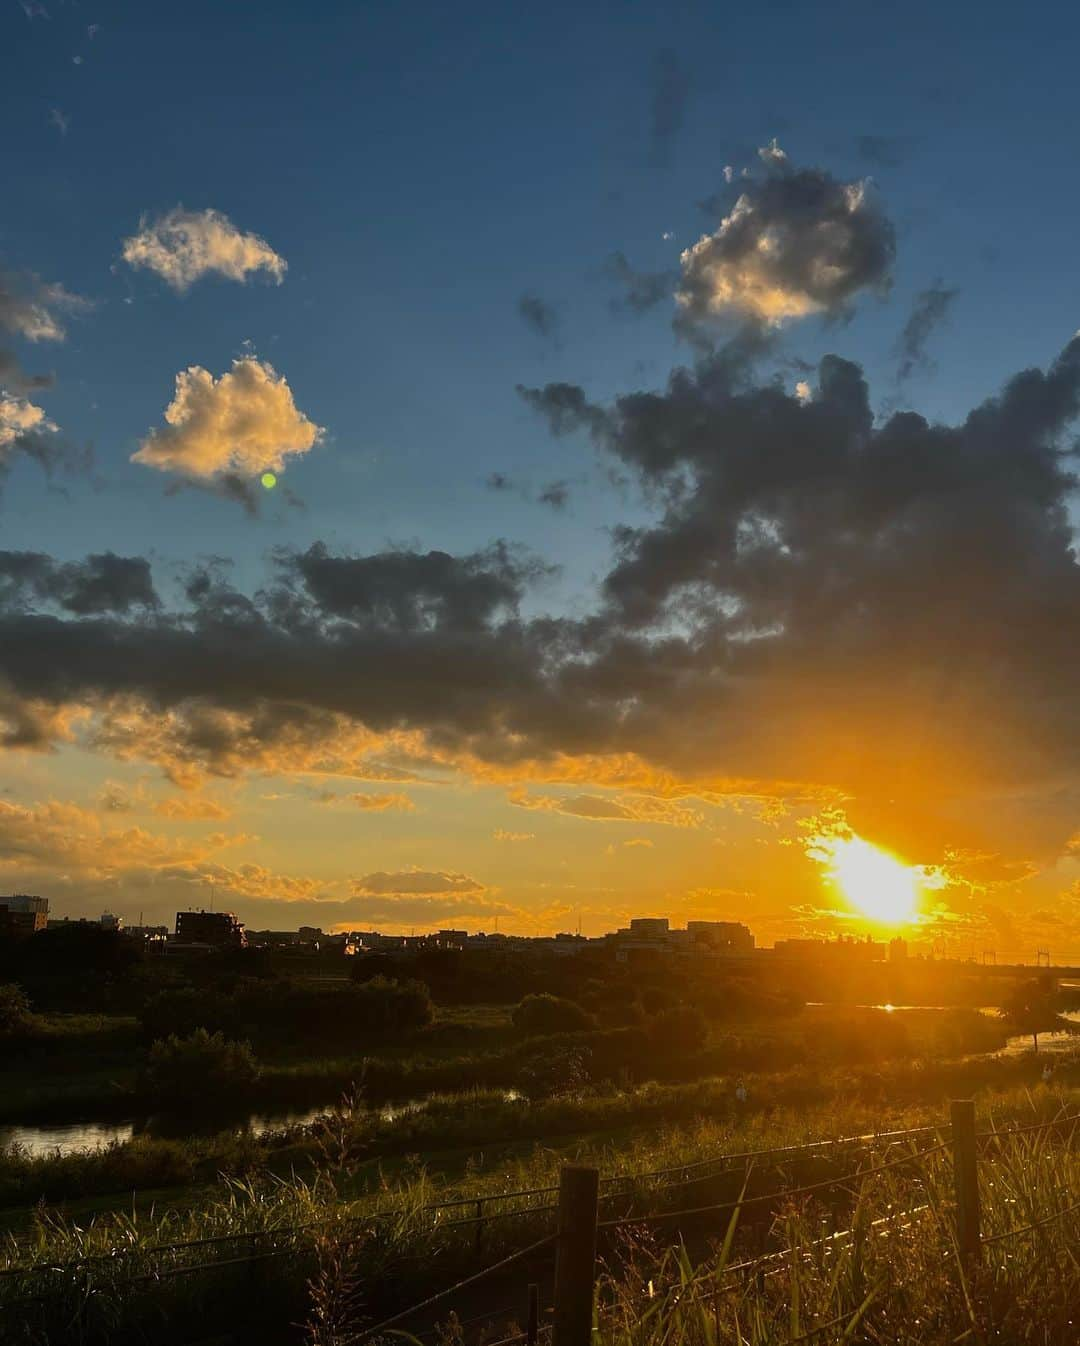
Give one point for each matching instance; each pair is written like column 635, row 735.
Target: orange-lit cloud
column 243, row 423
column 182, row 246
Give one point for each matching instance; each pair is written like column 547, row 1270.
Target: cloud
column 416, row 881
column 60, row 120
column 928, row 312
column 642, row 291
column 55, row 836
column 796, row 242
column 182, row 246
column 20, row 422
column 371, row 803
column 25, row 430
column 556, row 494
column 881, row 609
column 240, row 425
column 669, row 89
column 33, row 309
column 103, row 582
column 501, row 834
column 624, row 809
column 191, row 808
column 14, row 380
column 539, row 316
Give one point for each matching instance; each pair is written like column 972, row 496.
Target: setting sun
column 875, row 882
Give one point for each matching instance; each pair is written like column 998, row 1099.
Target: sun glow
column 877, row 884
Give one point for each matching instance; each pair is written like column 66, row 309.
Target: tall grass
column 891, row 1276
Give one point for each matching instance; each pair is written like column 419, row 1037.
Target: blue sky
column 420, row 169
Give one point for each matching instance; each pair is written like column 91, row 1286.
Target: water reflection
column 70, row 1137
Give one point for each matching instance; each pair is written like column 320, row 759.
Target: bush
column 14, row 1010
column 289, row 1011
column 193, row 1070
column 542, row 1015
column 555, row 1074
column 681, row 1029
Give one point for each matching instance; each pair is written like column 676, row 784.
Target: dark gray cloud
column 928, row 312
column 669, row 89
column 556, row 494
column 885, row 608
column 102, row 583
column 641, row 290
column 539, row 316
column 14, row 379
column 797, row 241
column 413, row 591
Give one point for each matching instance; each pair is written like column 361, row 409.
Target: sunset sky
column 540, row 464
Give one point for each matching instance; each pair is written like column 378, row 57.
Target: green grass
column 655, row 1291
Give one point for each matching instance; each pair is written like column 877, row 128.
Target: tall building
column 22, row 915
column 220, row 929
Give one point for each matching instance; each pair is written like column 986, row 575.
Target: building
column 218, row 929
column 650, row 927
column 111, row 922
column 722, row 937
column 22, row 915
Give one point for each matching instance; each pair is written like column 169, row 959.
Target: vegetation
column 541, row 1015
column 268, row 1010
column 895, row 1280
column 1032, row 1007
column 14, row 1011
column 184, row 1072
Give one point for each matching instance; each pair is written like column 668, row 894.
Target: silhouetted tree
column 1032, row 1007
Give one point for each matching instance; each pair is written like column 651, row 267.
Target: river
column 71, row 1137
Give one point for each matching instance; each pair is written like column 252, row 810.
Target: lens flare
column 269, row 481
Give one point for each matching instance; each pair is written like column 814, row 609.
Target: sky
column 540, row 465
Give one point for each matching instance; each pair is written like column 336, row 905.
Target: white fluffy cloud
column 182, row 246
column 241, row 424
column 18, row 418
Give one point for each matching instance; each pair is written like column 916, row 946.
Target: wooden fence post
column 966, row 1180
column 479, row 1225
column 532, row 1322
column 575, row 1257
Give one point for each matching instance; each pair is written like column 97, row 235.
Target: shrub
column 192, row 1070
column 542, row 1015
column 680, row 1029
column 14, row 1010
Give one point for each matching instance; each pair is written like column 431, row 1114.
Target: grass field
column 413, row 1252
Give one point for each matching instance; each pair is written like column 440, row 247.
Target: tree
column 542, row 1015
column 1032, row 1007
column 14, row 1010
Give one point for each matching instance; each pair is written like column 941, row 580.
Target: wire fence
column 481, row 1201
column 285, row 1241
